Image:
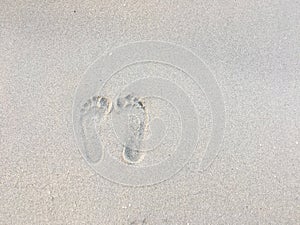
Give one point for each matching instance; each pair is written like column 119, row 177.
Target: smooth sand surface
column 253, row 49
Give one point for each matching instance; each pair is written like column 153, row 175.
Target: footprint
column 134, row 110
column 91, row 114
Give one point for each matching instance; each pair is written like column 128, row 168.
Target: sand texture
column 218, row 75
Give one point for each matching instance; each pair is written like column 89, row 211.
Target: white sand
column 252, row 47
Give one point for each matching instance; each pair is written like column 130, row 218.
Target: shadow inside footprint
column 131, row 156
